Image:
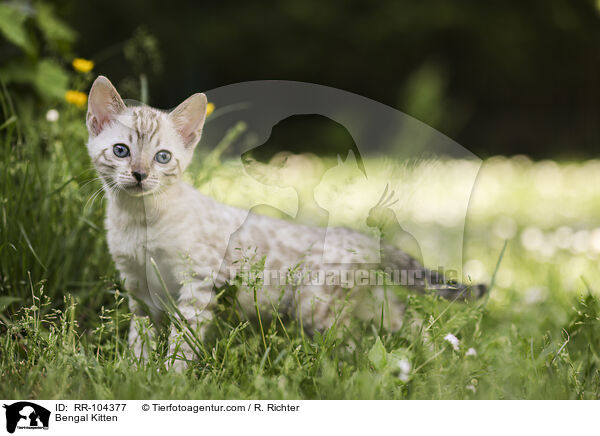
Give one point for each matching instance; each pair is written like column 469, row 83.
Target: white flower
column 453, row 340
column 471, row 352
column 404, row 366
column 471, row 388
column 52, row 115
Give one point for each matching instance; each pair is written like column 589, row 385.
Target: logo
column 26, row 415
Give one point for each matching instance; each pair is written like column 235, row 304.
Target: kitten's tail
column 414, row 276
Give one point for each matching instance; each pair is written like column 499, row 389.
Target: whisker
column 90, row 181
column 102, row 190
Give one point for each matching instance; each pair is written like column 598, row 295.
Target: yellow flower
column 210, row 108
column 76, row 97
column 82, row 65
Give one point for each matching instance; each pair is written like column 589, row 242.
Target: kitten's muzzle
column 139, row 176
column 138, row 184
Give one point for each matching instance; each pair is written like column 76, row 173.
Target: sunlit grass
column 548, row 212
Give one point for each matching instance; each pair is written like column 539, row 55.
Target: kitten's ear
column 104, row 104
column 188, row 119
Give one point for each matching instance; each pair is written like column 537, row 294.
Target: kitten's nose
column 139, row 176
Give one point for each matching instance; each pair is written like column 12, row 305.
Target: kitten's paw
column 177, row 365
column 180, row 355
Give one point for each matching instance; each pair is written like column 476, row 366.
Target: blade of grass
column 493, row 281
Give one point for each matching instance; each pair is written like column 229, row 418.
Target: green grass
column 64, row 315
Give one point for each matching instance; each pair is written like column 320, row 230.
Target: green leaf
column 7, row 301
column 377, row 355
column 18, row 71
column 12, row 26
column 51, row 80
column 53, row 28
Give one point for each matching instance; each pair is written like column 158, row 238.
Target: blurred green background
column 499, row 77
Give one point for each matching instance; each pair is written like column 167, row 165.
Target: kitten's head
column 141, row 150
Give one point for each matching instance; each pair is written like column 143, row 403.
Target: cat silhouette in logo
column 30, row 412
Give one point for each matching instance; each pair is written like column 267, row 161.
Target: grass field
column 64, row 314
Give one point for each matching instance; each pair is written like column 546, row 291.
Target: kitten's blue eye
column 120, row 150
column 163, row 156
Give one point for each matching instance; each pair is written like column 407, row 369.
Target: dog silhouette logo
column 26, row 415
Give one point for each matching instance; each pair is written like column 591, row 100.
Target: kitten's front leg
column 195, row 303
column 141, row 331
